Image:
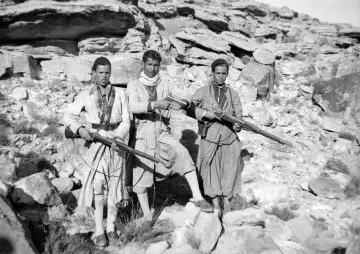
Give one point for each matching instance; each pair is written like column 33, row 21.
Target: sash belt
column 105, row 127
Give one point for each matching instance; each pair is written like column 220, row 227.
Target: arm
column 72, row 115
column 237, row 109
column 136, row 106
column 124, row 127
column 197, row 100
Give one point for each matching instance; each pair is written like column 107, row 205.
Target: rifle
column 223, row 117
column 108, row 142
column 249, row 127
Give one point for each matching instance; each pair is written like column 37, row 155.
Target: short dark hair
column 219, row 62
column 100, row 61
column 151, row 54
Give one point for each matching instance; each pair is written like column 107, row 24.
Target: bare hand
column 113, row 146
column 163, row 104
column 236, row 127
column 84, row 133
column 210, row 115
column 175, row 106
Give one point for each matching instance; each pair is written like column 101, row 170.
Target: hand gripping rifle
column 223, row 117
column 108, row 142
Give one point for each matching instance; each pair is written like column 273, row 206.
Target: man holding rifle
column 107, row 114
column 219, row 160
column 147, row 100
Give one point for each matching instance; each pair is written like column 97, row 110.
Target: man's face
column 151, row 67
column 220, row 74
column 102, row 75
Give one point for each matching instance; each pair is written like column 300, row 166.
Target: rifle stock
column 108, row 142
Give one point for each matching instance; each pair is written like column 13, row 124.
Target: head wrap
column 219, row 62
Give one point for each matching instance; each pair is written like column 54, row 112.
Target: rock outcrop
column 14, row 237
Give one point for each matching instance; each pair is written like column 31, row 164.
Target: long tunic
column 219, row 160
column 148, row 125
column 103, row 163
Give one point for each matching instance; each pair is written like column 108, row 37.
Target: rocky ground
column 298, row 78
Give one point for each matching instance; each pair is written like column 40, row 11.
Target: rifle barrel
column 250, row 127
column 121, row 146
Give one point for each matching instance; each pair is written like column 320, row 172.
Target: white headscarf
column 149, row 81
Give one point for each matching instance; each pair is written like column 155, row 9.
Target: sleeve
column 123, row 129
column 72, row 115
column 136, row 106
column 237, row 105
column 237, row 109
column 197, row 100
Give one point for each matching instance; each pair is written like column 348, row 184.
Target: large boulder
column 249, row 216
column 207, row 229
column 295, row 68
column 158, row 11
column 288, row 247
column 125, row 67
column 242, row 25
column 18, row 64
column 326, row 188
column 212, row 18
column 302, row 228
column 353, row 32
column 259, row 76
column 193, row 55
column 35, row 190
column 345, row 163
column 281, row 49
column 14, row 238
column 240, row 41
column 264, row 56
column 339, row 95
column 253, row 7
column 46, row 49
column 7, row 168
column 205, row 38
column 277, row 229
column 324, row 30
column 132, row 42
column 180, row 215
column 43, row 19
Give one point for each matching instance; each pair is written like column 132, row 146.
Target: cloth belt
column 106, row 127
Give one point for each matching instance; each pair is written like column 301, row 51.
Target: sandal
column 204, row 206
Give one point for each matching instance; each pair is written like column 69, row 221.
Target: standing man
column 219, row 160
column 152, row 116
column 107, row 113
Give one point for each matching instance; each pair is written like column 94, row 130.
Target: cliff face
column 297, row 77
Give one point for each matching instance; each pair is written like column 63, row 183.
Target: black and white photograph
column 179, row 127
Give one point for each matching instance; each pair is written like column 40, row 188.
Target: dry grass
column 4, row 139
column 352, row 189
column 53, row 132
column 25, row 127
column 58, row 242
column 240, row 203
column 134, row 228
column 283, row 213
